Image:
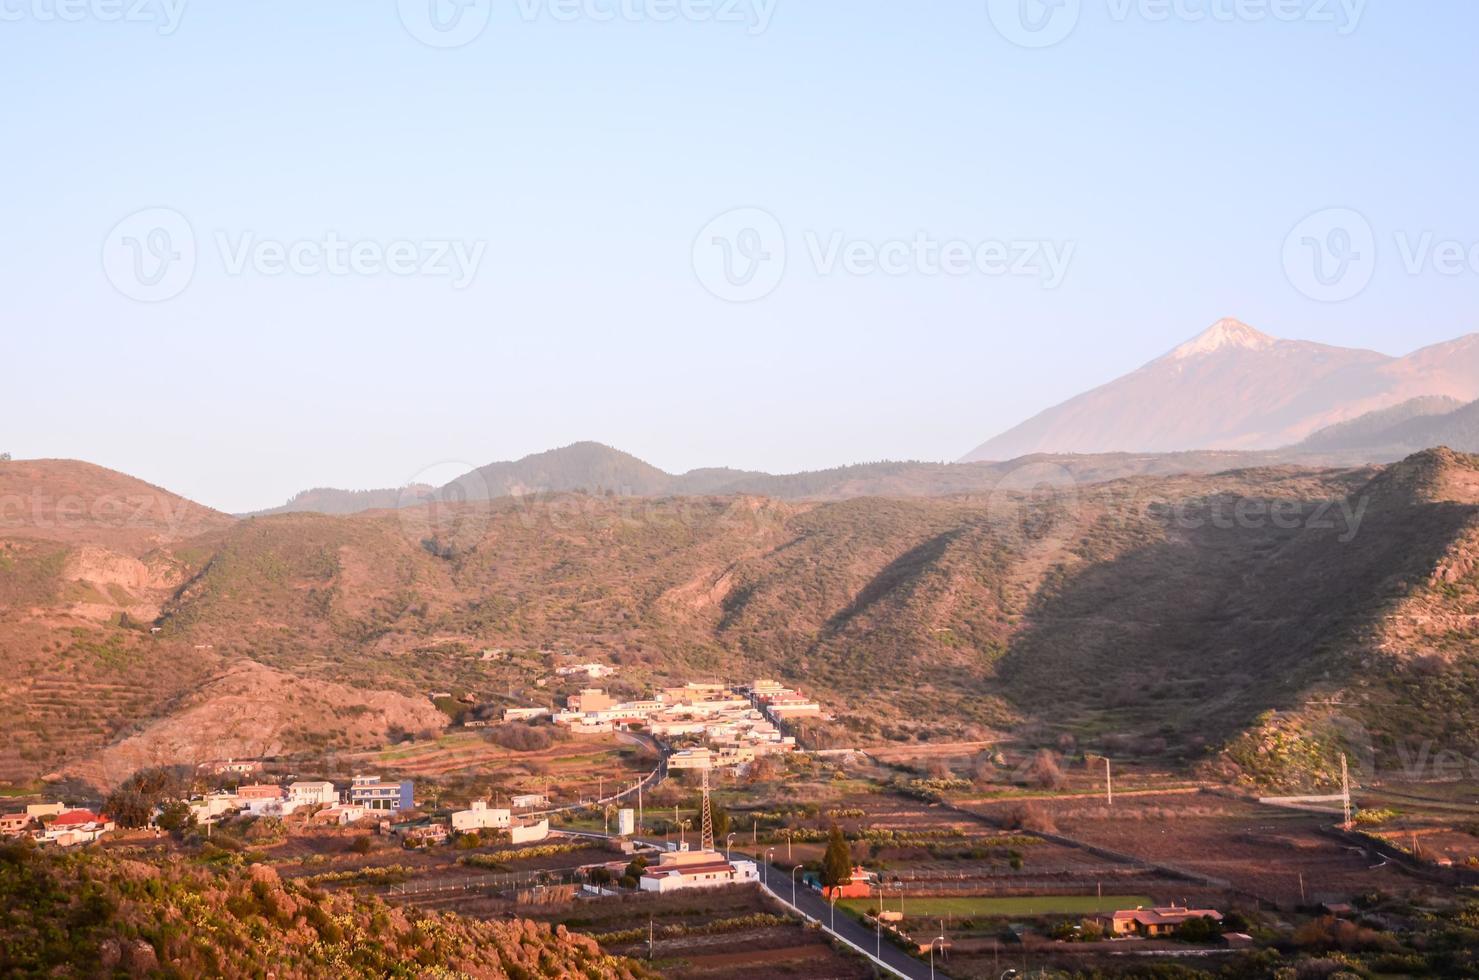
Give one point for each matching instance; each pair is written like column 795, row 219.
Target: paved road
column 811, row 904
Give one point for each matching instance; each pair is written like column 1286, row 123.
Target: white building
column 307, row 793
column 529, row 801
column 340, row 815
column 481, row 817
column 678, row 870
column 525, row 714
column 593, row 671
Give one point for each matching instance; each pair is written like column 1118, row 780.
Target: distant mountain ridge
column 1235, row 388
column 1401, row 431
column 593, row 468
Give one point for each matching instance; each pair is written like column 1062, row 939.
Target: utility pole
column 1108, row 783
column 649, row 939
column 1345, row 789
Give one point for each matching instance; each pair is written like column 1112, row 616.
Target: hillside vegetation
column 1164, row 615
column 106, row 914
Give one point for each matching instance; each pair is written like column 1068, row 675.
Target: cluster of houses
column 366, row 796
column 782, row 703
column 55, row 825
column 739, row 725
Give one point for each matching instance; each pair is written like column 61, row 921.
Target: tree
column 1045, row 771
column 837, row 861
column 133, row 803
column 176, row 818
column 1198, row 930
column 128, row 808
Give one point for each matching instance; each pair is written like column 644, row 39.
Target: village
column 697, row 807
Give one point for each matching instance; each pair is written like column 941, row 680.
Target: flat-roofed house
column 12, row 824
column 260, row 791
column 376, row 795
column 480, row 816
column 313, row 793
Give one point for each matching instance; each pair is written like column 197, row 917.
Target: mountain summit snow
column 1222, row 335
column 1235, row 388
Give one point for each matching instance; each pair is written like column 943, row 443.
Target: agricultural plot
column 1277, row 856
column 1022, row 907
column 728, row 933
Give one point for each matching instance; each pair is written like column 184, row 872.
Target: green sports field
column 1025, row 907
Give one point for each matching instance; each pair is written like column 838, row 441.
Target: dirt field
column 1275, row 855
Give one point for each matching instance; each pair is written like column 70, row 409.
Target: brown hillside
column 69, row 501
column 1156, row 614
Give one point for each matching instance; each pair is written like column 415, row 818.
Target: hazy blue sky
column 1172, row 158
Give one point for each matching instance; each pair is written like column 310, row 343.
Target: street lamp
column 793, row 884
column 834, row 909
column 941, row 941
column 729, row 846
column 768, row 855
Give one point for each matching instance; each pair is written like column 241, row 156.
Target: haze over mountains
column 1230, row 398
column 1234, row 388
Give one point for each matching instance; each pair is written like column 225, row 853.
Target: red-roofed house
column 77, row 827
